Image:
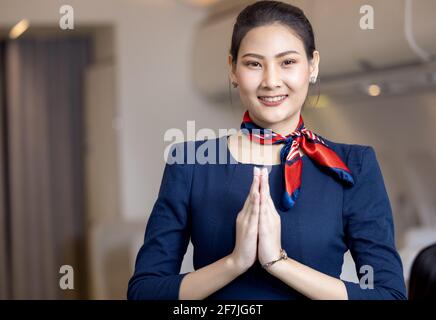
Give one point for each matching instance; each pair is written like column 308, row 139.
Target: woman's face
column 272, row 62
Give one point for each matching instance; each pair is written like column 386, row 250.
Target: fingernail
column 265, row 170
column 256, row 171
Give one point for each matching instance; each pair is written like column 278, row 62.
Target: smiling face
column 273, row 72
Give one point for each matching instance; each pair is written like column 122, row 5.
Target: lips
column 272, row 101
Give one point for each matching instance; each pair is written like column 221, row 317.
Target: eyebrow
column 255, row 55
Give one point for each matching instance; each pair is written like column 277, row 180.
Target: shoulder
column 349, row 153
column 355, row 156
column 365, row 169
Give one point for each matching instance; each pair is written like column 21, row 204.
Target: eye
column 252, row 64
column 289, row 62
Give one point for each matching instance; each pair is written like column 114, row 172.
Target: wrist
column 282, row 256
column 235, row 265
column 281, row 267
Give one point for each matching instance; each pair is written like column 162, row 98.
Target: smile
column 272, row 101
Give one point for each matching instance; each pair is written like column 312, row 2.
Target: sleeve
column 369, row 233
column 167, row 235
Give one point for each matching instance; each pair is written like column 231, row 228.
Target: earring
column 313, row 79
column 234, row 84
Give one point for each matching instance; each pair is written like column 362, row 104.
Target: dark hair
column 264, row 13
column 422, row 282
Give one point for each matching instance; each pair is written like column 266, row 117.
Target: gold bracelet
column 283, row 256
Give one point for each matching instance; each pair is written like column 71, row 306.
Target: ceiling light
column 374, row 90
column 18, row 29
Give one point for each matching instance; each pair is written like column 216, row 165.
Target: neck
column 283, row 128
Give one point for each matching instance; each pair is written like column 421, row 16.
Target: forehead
column 271, row 39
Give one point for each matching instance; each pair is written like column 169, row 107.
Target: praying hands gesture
column 258, row 236
column 258, row 225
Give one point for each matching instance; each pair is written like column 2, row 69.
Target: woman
column 279, row 233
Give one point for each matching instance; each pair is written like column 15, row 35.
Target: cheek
column 296, row 79
column 249, row 81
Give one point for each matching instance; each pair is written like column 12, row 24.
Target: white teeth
column 275, row 99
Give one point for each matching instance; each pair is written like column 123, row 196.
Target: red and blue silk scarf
column 312, row 145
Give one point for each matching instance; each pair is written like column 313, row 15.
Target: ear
column 314, row 64
column 232, row 69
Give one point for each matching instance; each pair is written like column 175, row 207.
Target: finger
column 264, row 186
column 256, row 176
column 254, row 191
column 251, row 214
column 268, row 191
column 253, row 194
column 254, row 182
column 266, row 180
column 254, row 211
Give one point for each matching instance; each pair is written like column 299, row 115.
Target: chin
column 273, row 114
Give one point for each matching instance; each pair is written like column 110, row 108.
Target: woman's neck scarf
column 312, row 145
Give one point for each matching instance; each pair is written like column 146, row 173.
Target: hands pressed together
column 258, row 225
column 258, row 237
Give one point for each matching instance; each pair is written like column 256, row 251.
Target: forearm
column 309, row 282
column 209, row 279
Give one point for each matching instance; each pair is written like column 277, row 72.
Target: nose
column 271, row 78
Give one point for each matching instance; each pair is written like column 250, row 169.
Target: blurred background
column 83, row 113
